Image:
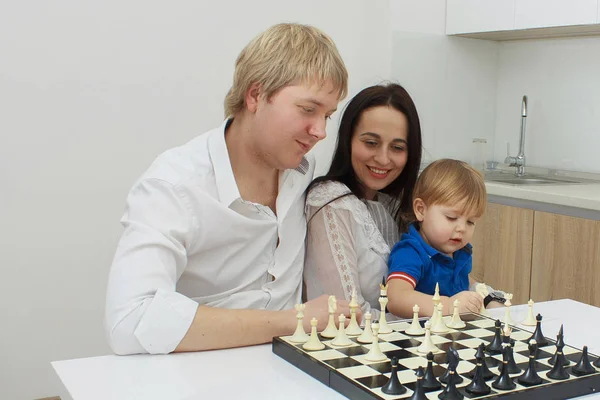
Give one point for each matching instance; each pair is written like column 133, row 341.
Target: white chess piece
column 415, row 329
column 481, row 288
column 456, row 322
column 383, row 325
column 375, row 353
column 507, row 318
column 427, row 345
column 439, row 326
column 331, row 331
column 341, row 339
column 367, row 335
column 313, row 343
column 530, row 320
column 353, row 329
column 299, row 335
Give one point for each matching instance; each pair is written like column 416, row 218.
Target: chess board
column 345, row 370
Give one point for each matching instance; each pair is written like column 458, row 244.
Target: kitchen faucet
column 519, row 160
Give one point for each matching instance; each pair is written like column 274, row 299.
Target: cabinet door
column 566, row 259
column 549, row 13
column 466, row 16
column 502, row 246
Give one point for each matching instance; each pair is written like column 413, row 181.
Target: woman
column 356, row 211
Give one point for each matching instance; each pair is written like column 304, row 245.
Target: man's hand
column 319, row 309
column 469, row 301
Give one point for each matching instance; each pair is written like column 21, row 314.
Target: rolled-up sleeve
column 144, row 313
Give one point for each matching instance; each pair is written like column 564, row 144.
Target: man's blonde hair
column 450, row 182
column 283, row 55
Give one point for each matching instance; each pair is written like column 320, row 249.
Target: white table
column 256, row 373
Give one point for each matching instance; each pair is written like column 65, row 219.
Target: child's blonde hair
column 450, row 182
column 286, row 54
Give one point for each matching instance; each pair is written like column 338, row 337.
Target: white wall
column 561, row 80
column 452, row 80
column 90, row 93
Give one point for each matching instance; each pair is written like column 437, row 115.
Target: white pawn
column 341, row 339
column 456, row 322
column 507, row 318
column 530, row 320
column 440, row 326
column 415, row 329
column 375, row 353
column 427, row 345
column 299, row 335
column 383, row 325
column 353, row 329
column 367, row 335
column 331, row 331
column 313, row 343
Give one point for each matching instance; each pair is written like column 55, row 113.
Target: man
column 213, row 248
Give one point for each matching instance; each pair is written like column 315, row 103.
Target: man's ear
column 252, row 97
column 419, row 208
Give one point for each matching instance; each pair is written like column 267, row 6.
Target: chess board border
column 326, row 374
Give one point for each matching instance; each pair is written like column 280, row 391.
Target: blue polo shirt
column 419, row 264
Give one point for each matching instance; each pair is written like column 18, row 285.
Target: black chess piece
column 452, row 358
column 560, row 343
column 512, row 365
column 478, row 385
column 558, row 372
column 495, row 346
column 430, row 382
column 504, row 382
column 419, row 393
column 393, row 386
column 538, row 336
column 450, row 391
column 530, row 376
column 583, row 367
column 487, row 374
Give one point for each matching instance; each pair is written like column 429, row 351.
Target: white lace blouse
column 347, row 245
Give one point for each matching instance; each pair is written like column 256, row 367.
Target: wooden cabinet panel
column 502, row 246
column 566, row 259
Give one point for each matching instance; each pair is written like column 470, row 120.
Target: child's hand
column 469, row 301
column 494, row 304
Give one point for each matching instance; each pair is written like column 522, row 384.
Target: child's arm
column 402, row 298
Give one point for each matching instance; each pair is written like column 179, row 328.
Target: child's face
column 446, row 228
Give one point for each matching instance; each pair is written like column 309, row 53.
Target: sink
column 530, row 180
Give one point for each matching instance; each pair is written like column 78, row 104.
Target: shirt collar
column 431, row 252
column 219, row 156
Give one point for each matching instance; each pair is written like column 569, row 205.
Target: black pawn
column 430, row 382
column 478, row 385
column 393, row 386
column 583, row 367
column 452, row 358
column 419, row 393
column 538, row 336
column 504, row 382
column 495, row 347
column 560, row 343
column 530, row 376
column 450, row 391
column 512, row 365
column 487, row 374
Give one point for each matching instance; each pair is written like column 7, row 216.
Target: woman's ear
column 419, row 209
column 252, row 97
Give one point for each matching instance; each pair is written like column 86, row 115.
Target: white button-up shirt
column 191, row 239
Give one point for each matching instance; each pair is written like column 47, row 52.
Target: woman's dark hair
column 390, row 95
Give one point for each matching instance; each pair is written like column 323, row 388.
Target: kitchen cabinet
column 550, row 13
column 522, row 19
column 502, row 246
column 565, row 258
column 537, row 255
column 464, row 16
